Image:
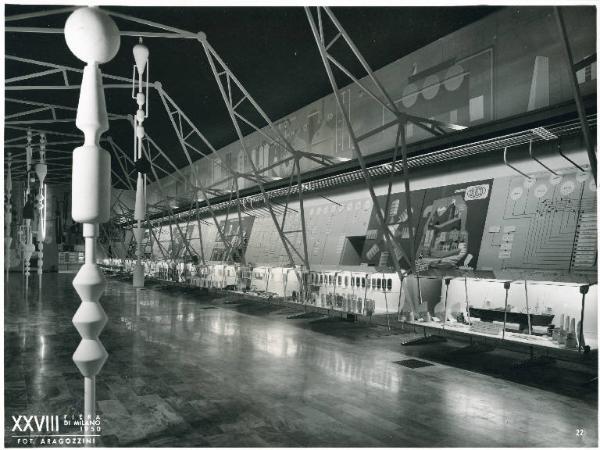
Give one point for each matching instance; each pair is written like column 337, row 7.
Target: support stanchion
column 467, row 301
column 506, row 288
column 527, row 306
column 447, row 283
column 583, row 290
column 400, row 297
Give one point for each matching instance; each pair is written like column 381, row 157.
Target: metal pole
column 60, row 88
column 39, row 14
column 583, row 290
column 506, row 287
column 127, row 180
column 434, row 125
column 135, row 34
column 227, row 252
column 47, row 132
column 33, row 75
column 467, row 301
column 182, row 143
column 419, row 289
column 587, row 136
column 447, row 282
column 66, row 68
column 164, row 155
column 391, row 177
column 527, row 306
column 245, row 149
column 200, row 234
column 287, row 196
column 241, row 247
column 150, row 23
column 210, row 52
column 411, row 234
column 400, row 297
column 377, row 208
column 302, row 219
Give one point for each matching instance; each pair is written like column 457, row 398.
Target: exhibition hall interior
column 287, row 226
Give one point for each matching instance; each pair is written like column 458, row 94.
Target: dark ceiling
column 270, row 49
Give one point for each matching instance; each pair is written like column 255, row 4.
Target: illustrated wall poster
column 447, row 226
column 236, row 243
column 171, row 238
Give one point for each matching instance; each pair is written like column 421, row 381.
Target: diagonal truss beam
column 379, row 94
column 51, row 107
column 135, row 34
column 388, row 237
column 159, row 184
column 201, row 187
column 212, row 56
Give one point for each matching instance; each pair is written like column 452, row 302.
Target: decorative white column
column 93, row 37
column 28, row 216
column 28, row 248
column 28, row 151
column 8, row 214
column 140, row 55
column 41, row 169
column 19, row 245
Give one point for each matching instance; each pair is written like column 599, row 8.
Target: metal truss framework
column 57, row 156
column 382, row 97
column 253, row 203
column 234, row 94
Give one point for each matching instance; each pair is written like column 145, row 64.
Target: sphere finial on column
column 92, row 35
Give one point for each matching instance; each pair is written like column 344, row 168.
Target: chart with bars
column 545, row 222
column 585, row 254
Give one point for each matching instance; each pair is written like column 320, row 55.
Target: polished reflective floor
column 192, row 369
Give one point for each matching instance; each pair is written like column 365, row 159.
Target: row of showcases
column 70, row 262
column 548, row 314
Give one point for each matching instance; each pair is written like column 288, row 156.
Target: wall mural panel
column 506, row 64
column 447, row 223
column 543, row 225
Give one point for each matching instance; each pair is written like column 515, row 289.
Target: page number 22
column 579, row 432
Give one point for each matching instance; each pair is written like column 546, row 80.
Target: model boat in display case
column 497, row 314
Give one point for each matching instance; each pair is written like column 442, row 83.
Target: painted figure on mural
column 447, row 223
column 446, row 238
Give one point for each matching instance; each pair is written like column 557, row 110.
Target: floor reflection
column 195, row 370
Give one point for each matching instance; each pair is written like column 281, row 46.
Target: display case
column 558, row 315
